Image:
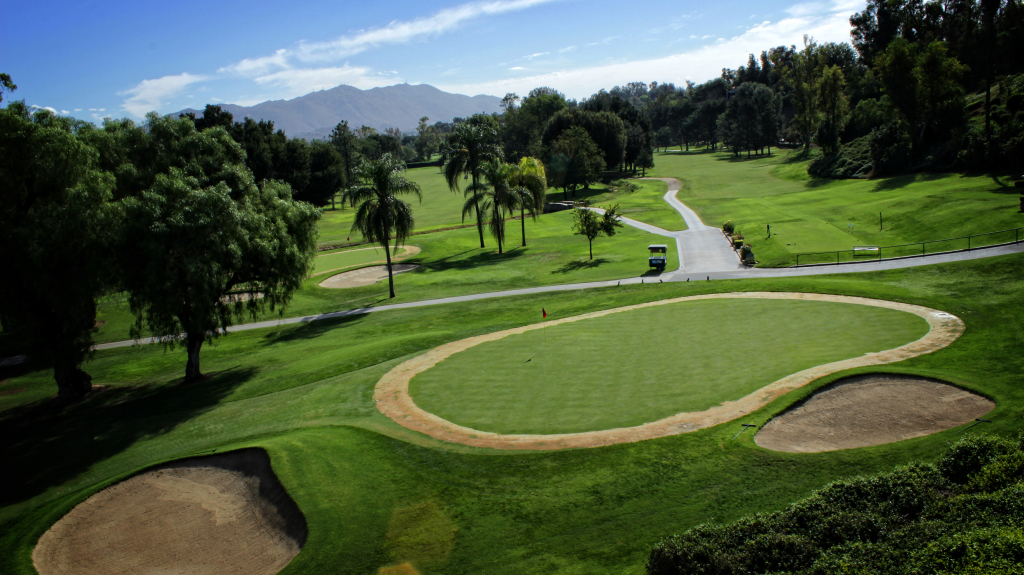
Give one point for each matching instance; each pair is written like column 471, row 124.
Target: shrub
column 625, row 186
column 962, row 515
column 728, row 227
column 747, row 252
column 737, row 242
column 852, row 161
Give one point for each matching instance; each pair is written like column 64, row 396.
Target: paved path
column 701, row 248
column 704, row 254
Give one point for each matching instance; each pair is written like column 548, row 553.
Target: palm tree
column 498, row 196
column 469, row 148
column 381, row 214
column 530, row 184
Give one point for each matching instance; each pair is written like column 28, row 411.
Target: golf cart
column 658, row 258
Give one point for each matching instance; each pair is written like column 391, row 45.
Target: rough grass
column 304, row 393
column 644, row 205
column 621, row 370
column 813, row 214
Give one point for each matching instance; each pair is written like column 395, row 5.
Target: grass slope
column 624, row 369
column 375, row 494
column 348, row 258
column 644, row 205
column 812, row 215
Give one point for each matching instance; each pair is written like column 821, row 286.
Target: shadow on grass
column 897, row 182
column 313, row 329
column 577, row 265
column 47, row 444
column 693, row 152
column 733, row 158
column 485, row 258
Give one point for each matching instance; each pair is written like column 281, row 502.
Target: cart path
column 391, row 393
column 701, row 248
column 686, row 273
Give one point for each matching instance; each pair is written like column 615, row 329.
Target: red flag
column 348, row 238
column 544, row 312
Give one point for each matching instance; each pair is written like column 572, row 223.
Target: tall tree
column 587, row 222
column 500, row 197
column 6, row 85
column 344, row 141
column 834, row 108
column 205, row 245
column 529, row 181
column 575, row 161
column 802, row 78
column 381, row 215
column 57, row 227
column 469, row 148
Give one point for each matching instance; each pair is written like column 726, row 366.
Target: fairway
column 350, row 258
column 630, row 368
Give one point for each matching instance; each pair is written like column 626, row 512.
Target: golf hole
column 223, row 514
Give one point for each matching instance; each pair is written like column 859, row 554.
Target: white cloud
column 532, row 56
column 293, row 83
column 78, row 109
column 397, row 32
column 149, row 95
column 36, row 108
column 517, row 68
column 701, row 63
column 567, row 49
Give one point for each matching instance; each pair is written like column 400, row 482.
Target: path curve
column 393, row 400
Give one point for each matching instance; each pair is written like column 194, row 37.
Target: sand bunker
column 365, row 276
column 871, row 410
column 216, row 515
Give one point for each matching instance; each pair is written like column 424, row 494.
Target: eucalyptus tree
column 469, row 148
column 380, row 214
column 205, row 245
column 530, row 183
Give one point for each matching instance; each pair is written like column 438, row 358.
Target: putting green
column 634, row 367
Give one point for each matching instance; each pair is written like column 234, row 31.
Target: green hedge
column 965, row 514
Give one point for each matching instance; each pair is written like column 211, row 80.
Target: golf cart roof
column 658, row 248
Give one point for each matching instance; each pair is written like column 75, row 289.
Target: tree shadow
column 48, row 443
column 486, row 258
column 693, row 152
column 312, row 329
column 733, row 158
column 897, row 182
column 575, row 266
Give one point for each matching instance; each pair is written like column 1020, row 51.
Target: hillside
column 402, row 105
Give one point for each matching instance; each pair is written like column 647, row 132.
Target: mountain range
column 314, row 115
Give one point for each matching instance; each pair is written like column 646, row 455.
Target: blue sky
column 93, row 59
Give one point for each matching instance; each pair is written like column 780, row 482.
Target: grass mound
column 960, row 515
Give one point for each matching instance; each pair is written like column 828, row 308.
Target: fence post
column 879, row 253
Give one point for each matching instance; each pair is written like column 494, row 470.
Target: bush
column 890, row 148
column 962, row 515
column 625, row 186
column 852, row 161
column 728, row 227
column 737, row 242
column 747, row 252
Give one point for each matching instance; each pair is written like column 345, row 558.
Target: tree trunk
column 988, row 118
column 391, row 277
column 499, row 243
column 522, row 217
column 193, row 344
column 591, row 248
column 479, row 220
column 332, row 200
column 72, row 382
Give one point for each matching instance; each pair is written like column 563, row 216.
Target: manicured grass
column 621, row 370
column 813, row 215
column 452, row 263
column 349, row 258
column 644, row 205
column 368, row 487
column 440, row 208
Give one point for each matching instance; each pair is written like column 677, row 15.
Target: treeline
column 165, row 213
column 960, row 515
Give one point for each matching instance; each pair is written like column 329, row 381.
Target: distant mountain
column 400, row 106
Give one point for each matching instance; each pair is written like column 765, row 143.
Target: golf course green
column 350, row 258
column 633, row 367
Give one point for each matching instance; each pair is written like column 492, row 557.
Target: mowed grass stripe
column 634, row 367
column 349, row 258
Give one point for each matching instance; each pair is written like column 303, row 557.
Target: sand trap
column 365, row 276
column 222, row 514
column 871, row 410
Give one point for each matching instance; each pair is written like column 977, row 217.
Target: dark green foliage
column 57, row 228
column 890, row 149
column 852, row 161
column 963, row 514
column 605, row 128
